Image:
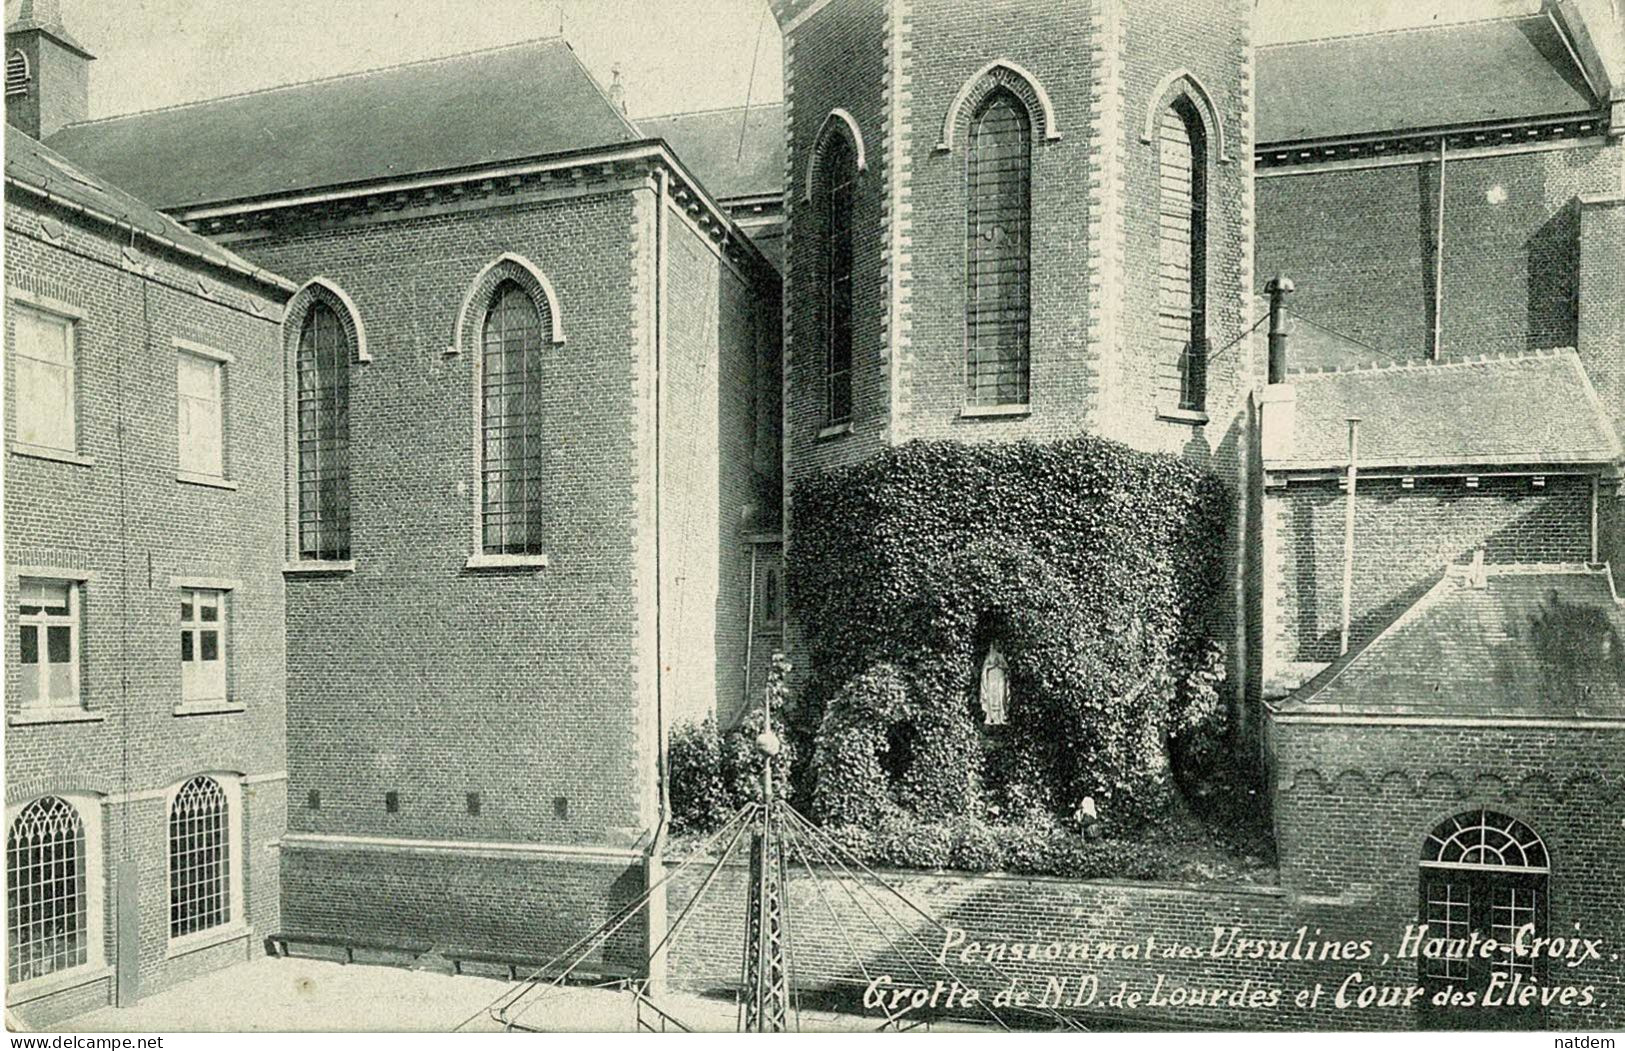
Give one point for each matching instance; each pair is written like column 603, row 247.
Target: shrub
column 711, row 775
column 1095, row 567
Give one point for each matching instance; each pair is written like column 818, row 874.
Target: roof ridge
column 614, row 107
column 710, row 109
column 317, row 80
column 1453, row 362
column 1403, row 29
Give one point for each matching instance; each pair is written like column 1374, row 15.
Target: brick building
column 144, row 781
column 529, row 496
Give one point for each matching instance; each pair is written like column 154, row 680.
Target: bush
column 712, row 775
column 1095, row 567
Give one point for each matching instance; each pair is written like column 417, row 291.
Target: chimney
column 1277, row 402
column 47, row 71
column 617, row 90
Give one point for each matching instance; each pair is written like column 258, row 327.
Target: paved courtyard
column 273, row 994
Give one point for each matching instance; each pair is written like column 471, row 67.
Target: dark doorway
column 1485, row 874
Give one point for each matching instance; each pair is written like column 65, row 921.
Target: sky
column 674, row 54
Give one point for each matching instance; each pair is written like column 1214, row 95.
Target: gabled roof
column 1496, row 70
column 48, row 175
column 520, row 101
column 1532, row 642
column 735, row 152
column 1526, row 409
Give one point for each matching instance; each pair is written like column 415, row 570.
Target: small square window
column 48, row 643
column 203, row 645
column 200, row 415
column 473, row 802
column 392, row 802
column 45, row 399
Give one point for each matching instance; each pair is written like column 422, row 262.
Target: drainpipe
column 750, row 625
column 1438, row 266
column 654, row 867
column 1278, row 287
column 1348, row 531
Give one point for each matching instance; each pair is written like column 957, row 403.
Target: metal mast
column 765, row 991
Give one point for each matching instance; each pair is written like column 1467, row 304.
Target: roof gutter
column 652, row 150
column 253, row 273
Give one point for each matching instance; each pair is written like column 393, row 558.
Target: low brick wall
column 530, row 908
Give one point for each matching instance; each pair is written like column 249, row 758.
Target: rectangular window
column 48, row 643
column 200, row 382
column 203, row 645
column 44, row 365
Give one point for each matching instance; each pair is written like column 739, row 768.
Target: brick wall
column 1564, row 782
column 1359, row 245
column 836, row 60
column 1602, row 334
column 1403, row 541
column 125, row 520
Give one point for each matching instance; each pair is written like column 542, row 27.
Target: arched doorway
column 1483, row 874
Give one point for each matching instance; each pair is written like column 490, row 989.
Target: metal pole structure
column 1438, row 266
column 1348, row 531
column 766, row 999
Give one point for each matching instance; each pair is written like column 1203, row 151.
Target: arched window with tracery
column 200, row 858
column 323, row 408
column 48, row 914
column 511, row 460
column 838, row 167
column 998, row 165
column 1485, row 873
column 1182, row 150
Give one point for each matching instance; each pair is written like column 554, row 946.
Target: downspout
column 1348, row 533
column 663, row 773
column 1438, row 266
column 654, row 861
column 1596, row 484
column 750, row 624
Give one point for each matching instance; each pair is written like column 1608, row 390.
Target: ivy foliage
column 1096, row 568
column 713, row 773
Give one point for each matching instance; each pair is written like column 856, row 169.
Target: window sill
column 974, row 411
column 1192, row 416
column 38, row 988
column 40, row 716
column 318, row 567
column 207, row 939
column 835, row 430
column 191, row 478
column 42, row 452
column 217, row 707
column 484, row 561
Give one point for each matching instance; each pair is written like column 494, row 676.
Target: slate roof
column 1436, row 76
column 1537, row 408
column 42, row 170
column 709, row 141
column 1534, row 642
column 519, row 101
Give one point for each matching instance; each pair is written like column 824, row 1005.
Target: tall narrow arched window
column 511, row 423
column 200, row 854
column 840, row 173
column 323, row 407
column 1182, row 273
column 999, row 178
column 48, row 921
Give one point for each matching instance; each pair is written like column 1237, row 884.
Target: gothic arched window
column 1182, row 265
column 323, row 407
column 840, row 174
column 48, row 922
column 511, row 422
column 200, row 853
column 998, row 258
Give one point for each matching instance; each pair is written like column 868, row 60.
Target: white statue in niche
column 995, row 686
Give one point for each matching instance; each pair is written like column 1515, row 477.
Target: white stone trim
column 51, row 305
column 467, row 848
column 232, row 785
column 1184, row 82
column 202, row 350
column 205, row 583
column 836, row 121
column 555, row 315
column 89, row 808
column 1045, row 106
column 299, row 303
